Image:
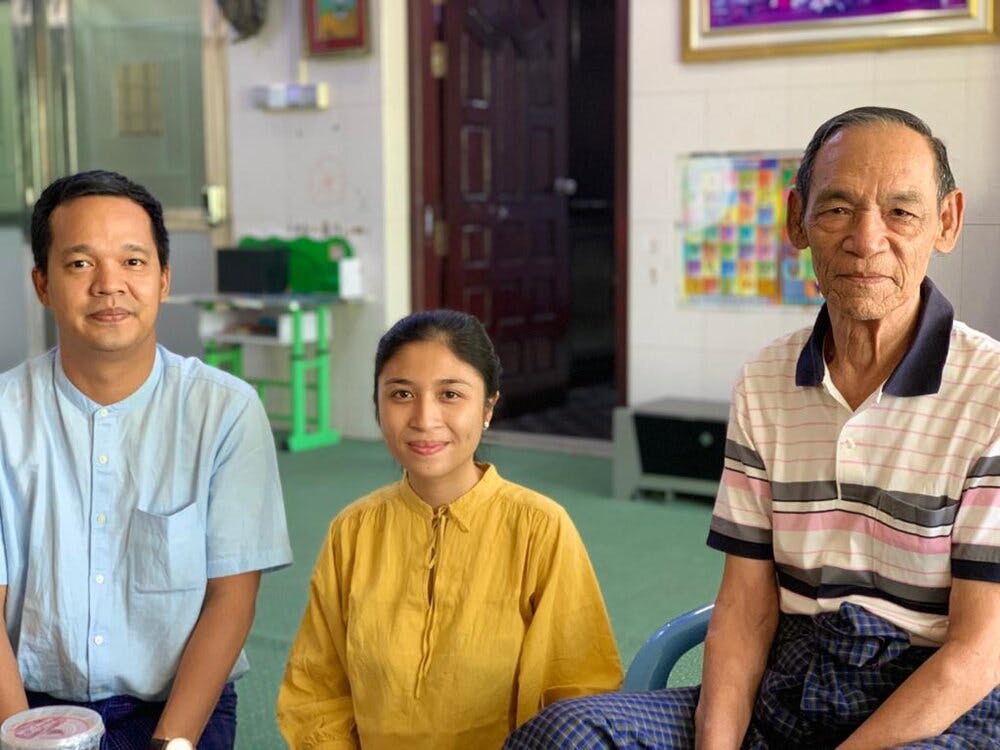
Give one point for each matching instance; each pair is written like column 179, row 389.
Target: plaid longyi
column 826, row 674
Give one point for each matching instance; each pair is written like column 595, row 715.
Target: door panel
column 504, row 145
column 446, row 62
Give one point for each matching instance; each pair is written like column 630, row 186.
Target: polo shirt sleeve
column 741, row 519
column 246, row 513
column 975, row 541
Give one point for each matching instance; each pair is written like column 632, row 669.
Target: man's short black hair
column 93, row 182
column 862, row 116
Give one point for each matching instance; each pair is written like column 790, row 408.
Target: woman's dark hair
column 459, row 331
column 862, row 116
column 94, row 182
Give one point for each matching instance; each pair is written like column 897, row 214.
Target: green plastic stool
column 225, row 357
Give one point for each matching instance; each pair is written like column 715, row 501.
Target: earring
column 486, row 425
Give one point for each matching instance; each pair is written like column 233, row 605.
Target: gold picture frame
column 784, row 31
column 336, row 26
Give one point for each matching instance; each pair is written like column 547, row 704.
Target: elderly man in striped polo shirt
column 859, row 507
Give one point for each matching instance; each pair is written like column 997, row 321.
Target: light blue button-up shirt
column 113, row 518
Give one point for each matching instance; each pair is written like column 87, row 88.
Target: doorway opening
column 519, row 133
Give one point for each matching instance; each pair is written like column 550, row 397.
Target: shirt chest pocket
column 167, row 552
column 926, row 511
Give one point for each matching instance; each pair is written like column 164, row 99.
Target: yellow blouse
column 444, row 628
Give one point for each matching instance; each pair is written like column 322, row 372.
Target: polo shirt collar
column 88, row 405
column 919, row 372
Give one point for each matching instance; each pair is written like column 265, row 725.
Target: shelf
column 246, row 339
column 222, row 326
column 288, row 321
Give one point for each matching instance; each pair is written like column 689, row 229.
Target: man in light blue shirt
column 139, row 490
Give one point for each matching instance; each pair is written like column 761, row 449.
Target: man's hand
column 959, row 675
column 211, row 651
column 736, row 648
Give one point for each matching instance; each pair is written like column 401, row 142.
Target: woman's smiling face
column 432, row 407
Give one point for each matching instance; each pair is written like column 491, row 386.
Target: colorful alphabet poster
column 735, row 247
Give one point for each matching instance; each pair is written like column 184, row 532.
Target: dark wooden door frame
column 426, row 198
column 621, row 290
column 425, row 171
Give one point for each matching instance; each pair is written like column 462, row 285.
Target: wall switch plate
column 282, row 96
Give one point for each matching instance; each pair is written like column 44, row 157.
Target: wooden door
column 504, row 103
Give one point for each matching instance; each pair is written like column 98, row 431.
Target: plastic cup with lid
column 53, row 728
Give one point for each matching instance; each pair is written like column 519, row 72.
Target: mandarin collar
column 87, row 405
column 462, row 509
column 920, row 370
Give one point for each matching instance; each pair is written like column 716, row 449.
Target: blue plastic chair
column 651, row 667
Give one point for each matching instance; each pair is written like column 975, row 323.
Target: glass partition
column 11, row 177
column 137, row 70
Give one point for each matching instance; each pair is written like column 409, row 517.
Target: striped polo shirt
column 881, row 505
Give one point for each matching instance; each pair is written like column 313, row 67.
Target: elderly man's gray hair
column 862, row 116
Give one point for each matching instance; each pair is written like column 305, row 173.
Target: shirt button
column 98, row 640
column 101, row 519
column 102, row 459
column 102, row 413
column 99, row 578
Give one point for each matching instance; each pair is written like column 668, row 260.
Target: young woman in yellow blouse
column 450, row 607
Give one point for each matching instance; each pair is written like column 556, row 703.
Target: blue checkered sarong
column 129, row 722
column 825, row 676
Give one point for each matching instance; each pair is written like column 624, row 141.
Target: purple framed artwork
column 724, row 29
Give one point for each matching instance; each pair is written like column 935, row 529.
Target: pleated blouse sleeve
column 315, row 709
column 568, row 650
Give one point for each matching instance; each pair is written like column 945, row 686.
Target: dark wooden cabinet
column 669, row 447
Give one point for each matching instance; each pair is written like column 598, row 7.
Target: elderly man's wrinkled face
column 873, row 220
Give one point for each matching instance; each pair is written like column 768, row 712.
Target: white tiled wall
column 677, row 108
column 326, row 172
column 321, row 173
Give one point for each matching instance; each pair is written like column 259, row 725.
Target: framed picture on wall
column 726, row 29
column 334, row 26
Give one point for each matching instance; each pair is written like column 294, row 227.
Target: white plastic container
column 53, row 728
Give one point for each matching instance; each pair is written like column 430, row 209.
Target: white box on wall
column 349, row 270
